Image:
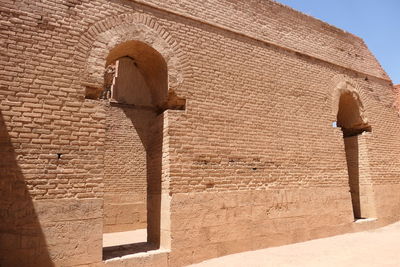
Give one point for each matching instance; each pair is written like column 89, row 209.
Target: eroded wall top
column 273, row 22
column 397, row 95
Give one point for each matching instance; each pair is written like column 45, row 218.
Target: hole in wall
column 92, row 92
column 210, row 185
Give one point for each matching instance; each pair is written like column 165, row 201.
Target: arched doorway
column 136, row 84
column 352, row 123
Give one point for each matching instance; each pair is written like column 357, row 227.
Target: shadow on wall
column 149, row 127
column 154, row 173
column 22, row 242
column 353, row 170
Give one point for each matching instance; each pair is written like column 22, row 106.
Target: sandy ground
column 375, row 248
column 124, row 238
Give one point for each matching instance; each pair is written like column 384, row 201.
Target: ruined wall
column 275, row 23
column 252, row 162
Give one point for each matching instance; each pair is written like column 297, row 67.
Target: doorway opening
column 136, row 85
column 350, row 120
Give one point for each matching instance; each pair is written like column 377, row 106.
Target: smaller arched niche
column 349, row 117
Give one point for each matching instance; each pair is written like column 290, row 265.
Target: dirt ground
column 375, row 248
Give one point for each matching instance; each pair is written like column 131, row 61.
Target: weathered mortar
column 252, row 162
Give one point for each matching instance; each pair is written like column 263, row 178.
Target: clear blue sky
column 375, row 21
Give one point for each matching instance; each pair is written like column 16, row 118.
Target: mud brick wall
column 252, row 162
column 266, row 125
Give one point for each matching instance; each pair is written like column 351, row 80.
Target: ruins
column 217, row 126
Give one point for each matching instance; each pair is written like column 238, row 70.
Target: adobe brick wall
column 252, row 162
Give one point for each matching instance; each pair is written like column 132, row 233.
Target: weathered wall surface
column 253, row 161
column 273, row 22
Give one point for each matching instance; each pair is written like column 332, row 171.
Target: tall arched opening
column 136, row 84
column 352, row 123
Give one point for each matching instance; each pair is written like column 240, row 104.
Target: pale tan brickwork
column 226, row 120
